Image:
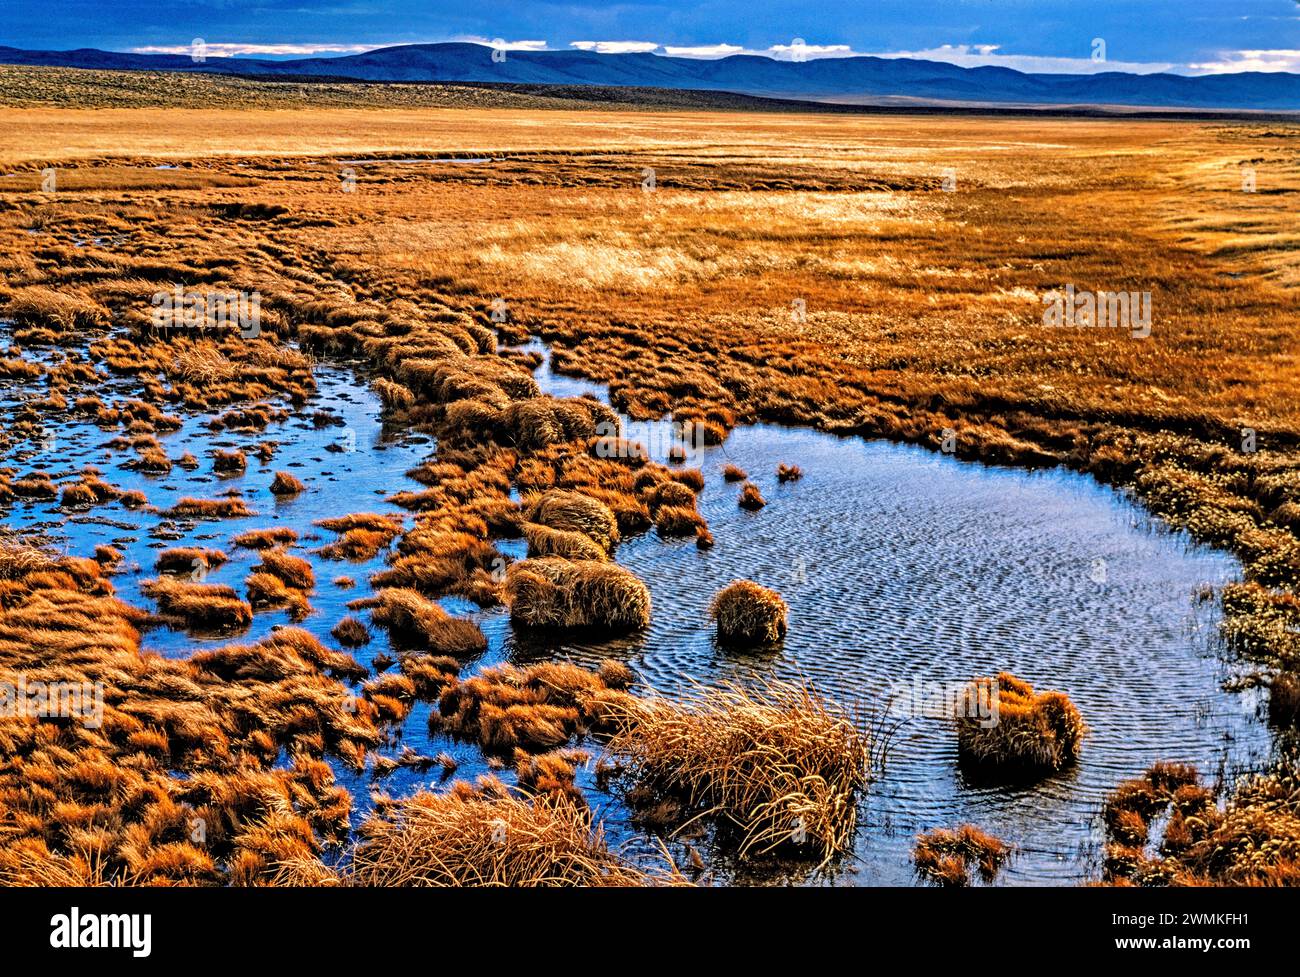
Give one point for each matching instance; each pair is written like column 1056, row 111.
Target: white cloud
column 980, row 55
column 616, row 47
column 795, row 50
column 504, row 45
column 1277, row 59
column 237, row 50
column 704, row 51
column 798, row 50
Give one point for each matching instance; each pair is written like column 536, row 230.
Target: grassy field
column 873, row 276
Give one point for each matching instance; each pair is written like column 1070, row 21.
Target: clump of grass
column 265, row 539
column 414, row 621
column 539, row 707
column 574, row 512
column 108, row 557
column 60, row 311
column 788, row 473
column 198, row 606
column 670, row 493
column 553, row 774
column 187, row 559
column 751, row 499
column 229, row 461
column 556, row 593
column 487, row 835
column 395, row 396
column 1030, row 732
column 430, row 675
column 231, row 507
column 950, row 858
column 734, row 473
column 286, row 484
column 77, row 495
column 614, row 674
column 780, row 765
column 748, row 614
column 133, row 499
column 676, row 521
column 362, row 535
column 545, row 541
column 293, row 570
column 351, row 632
column 37, row 485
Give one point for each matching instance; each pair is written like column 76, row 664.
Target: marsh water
column 905, row 572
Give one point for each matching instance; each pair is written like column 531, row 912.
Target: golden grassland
column 720, row 268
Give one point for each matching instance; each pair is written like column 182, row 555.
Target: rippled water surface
column 902, row 569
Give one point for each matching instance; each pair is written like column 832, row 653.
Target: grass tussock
column 198, row 606
column 362, row 535
column 1032, row 732
column 788, row 473
column 189, row 560
column 779, row 766
column 557, row 593
column 413, row 621
column 751, row 499
column 487, row 835
column 265, row 539
column 285, row 484
column 351, row 632
column 231, row 507
column 574, row 512
column 951, row 858
column 748, row 614
column 537, row 708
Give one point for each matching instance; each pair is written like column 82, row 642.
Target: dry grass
column 351, row 632
column 415, row 622
column 198, row 606
column 537, row 708
column 1032, row 731
column 182, row 743
column 488, row 836
column 751, row 499
column 557, row 593
column 189, row 559
column 286, row 484
column 950, row 858
column 1252, row 840
column 577, row 513
column 779, row 766
column 734, row 473
column 227, row 508
column 747, row 614
column 263, row 539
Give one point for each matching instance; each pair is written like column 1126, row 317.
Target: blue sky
column 1031, row 35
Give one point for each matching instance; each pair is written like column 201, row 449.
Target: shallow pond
column 905, row 571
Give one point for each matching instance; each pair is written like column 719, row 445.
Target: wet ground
column 905, row 572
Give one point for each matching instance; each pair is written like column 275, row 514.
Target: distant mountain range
column 863, row 80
